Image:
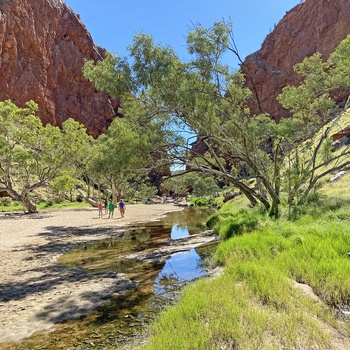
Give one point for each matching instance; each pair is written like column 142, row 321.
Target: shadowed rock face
column 43, row 47
column 310, row 27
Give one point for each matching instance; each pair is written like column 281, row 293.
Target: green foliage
column 140, row 191
column 208, row 100
column 224, row 117
column 309, row 250
column 256, row 303
column 152, row 63
column 112, row 75
column 309, row 102
column 61, row 204
column 64, row 184
column 235, row 317
column 205, row 186
column 200, row 202
column 198, row 184
column 339, row 60
column 6, row 202
column 234, row 219
column 31, row 155
column 245, row 221
column 14, row 206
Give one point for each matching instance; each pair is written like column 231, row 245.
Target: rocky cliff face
column 311, row 26
column 43, row 47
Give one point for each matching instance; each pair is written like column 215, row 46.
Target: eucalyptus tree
column 205, row 103
column 195, row 183
column 64, row 184
column 117, row 154
column 209, row 100
column 252, row 152
column 315, row 116
column 32, row 155
column 134, row 145
column 202, row 99
column 128, row 151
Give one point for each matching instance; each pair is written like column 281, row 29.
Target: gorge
column 44, row 45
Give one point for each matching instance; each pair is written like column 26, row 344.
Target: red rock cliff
column 43, row 47
column 312, row 26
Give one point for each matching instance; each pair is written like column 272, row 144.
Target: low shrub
column 243, row 222
column 5, row 202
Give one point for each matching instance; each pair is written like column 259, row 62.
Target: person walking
column 122, row 208
column 111, row 207
column 100, row 209
column 106, row 206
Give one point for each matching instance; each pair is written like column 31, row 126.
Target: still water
column 158, row 283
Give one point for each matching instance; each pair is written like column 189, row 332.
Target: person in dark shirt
column 122, row 208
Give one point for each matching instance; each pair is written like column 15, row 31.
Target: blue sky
column 113, row 23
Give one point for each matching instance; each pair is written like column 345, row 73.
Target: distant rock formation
column 311, row 26
column 43, row 47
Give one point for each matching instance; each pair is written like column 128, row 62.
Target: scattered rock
column 338, row 176
column 175, row 246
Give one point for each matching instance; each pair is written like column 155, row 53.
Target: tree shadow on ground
column 66, row 308
column 47, row 280
column 48, row 276
column 44, row 281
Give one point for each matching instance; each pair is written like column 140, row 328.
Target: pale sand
column 35, row 292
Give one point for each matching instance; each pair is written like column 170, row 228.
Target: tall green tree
column 127, row 151
column 315, row 116
column 31, row 155
column 210, row 100
column 118, row 154
column 134, row 145
column 64, row 184
column 206, row 102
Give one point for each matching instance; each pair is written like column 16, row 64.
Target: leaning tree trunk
column 29, row 206
column 87, row 199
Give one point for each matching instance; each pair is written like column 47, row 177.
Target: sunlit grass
column 255, row 304
column 225, row 313
column 16, row 206
column 337, row 189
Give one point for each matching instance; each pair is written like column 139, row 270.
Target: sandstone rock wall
column 311, row 26
column 43, row 47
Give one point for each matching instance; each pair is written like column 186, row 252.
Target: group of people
column 109, row 209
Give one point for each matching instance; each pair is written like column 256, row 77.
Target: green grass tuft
column 255, row 304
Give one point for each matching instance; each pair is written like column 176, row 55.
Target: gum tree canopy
column 31, row 155
column 204, row 102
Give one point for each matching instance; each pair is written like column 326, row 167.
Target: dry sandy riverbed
column 35, row 292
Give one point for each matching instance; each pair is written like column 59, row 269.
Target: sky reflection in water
column 180, row 268
column 178, row 231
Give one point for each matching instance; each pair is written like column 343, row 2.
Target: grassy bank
column 12, row 206
column 263, row 300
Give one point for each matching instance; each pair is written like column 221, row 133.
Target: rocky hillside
column 311, row 26
column 43, row 47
